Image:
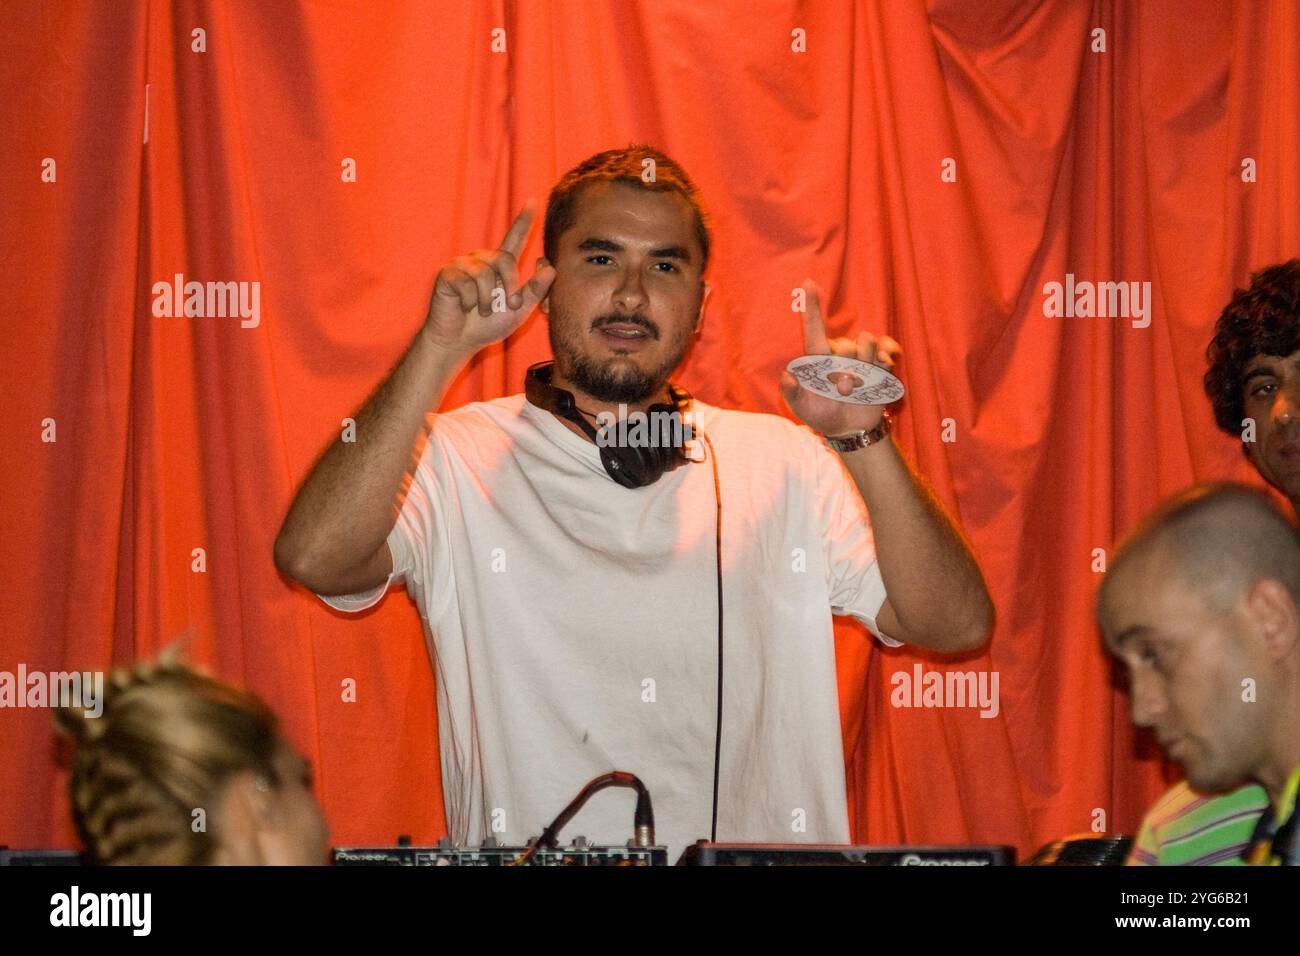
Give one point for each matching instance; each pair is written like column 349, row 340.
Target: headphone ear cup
column 646, row 464
column 635, row 467
column 626, row 467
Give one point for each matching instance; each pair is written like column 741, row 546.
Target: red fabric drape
column 175, row 434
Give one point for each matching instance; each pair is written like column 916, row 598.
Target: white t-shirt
column 573, row 626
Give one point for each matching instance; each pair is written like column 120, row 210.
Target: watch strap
column 862, row 439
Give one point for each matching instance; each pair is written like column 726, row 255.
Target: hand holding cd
column 841, row 385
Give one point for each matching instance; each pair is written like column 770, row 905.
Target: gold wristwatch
column 863, row 438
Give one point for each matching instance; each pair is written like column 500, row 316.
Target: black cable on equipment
column 643, row 823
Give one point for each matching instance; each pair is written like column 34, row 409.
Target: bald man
column 1202, row 604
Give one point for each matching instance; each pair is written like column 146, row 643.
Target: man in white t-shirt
column 574, row 620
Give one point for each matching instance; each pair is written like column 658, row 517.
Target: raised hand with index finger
column 477, row 298
column 822, row 414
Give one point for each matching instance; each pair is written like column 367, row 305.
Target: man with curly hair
column 1254, row 377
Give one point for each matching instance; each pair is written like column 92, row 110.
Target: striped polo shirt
column 1187, row 828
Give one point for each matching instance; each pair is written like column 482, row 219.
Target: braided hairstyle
column 166, row 743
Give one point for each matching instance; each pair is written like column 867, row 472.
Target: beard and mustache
column 609, row 380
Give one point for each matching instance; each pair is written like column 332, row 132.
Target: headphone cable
column 717, row 743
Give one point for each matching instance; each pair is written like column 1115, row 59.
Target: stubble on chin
column 609, row 380
column 602, row 381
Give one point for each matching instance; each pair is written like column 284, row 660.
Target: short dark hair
column 621, row 166
column 1261, row 320
column 1218, row 538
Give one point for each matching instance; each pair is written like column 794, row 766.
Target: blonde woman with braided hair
column 181, row 769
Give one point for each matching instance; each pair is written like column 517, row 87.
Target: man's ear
column 1275, row 613
column 699, row 319
column 545, row 302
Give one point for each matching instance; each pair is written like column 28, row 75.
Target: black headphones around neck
column 632, row 465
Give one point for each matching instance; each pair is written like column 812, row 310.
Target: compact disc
column 872, row 385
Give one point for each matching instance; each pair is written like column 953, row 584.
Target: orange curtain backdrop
column 177, row 434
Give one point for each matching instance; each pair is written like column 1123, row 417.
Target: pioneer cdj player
column 704, row 853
